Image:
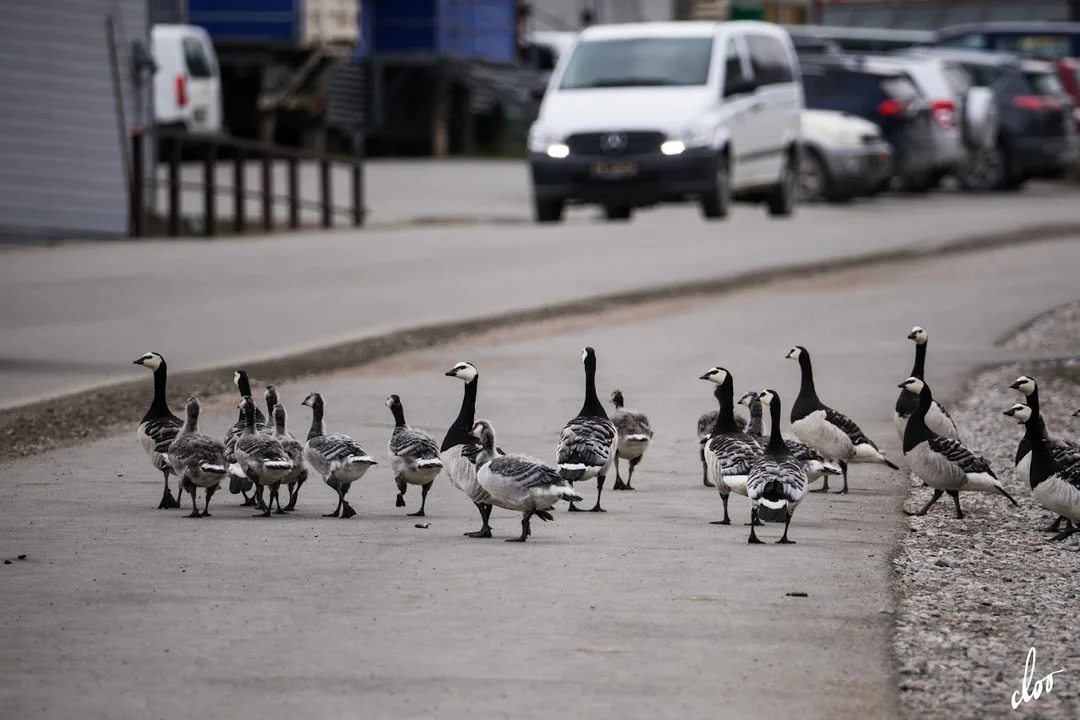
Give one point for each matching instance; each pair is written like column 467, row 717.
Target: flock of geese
column 773, row 472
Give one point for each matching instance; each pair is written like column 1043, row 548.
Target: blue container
column 477, row 29
column 248, row 20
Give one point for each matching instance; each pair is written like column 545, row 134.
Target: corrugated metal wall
column 61, row 169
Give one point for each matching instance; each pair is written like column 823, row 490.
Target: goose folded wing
column 525, row 471
column 853, row 431
column 586, row 441
column 1066, row 455
column 960, row 456
column 262, row 447
column 411, row 443
column 737, row 454
column 802, row 452
column 642, row 422
column 162, row 431
column 336, row 448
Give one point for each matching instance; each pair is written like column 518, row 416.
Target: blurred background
column 92, row 89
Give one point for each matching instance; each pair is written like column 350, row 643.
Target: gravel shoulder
column 974, row 595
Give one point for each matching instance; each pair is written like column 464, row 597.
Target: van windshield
column 199, row 64
column 639, row 62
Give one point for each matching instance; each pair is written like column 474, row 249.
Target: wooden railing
column 239, row 153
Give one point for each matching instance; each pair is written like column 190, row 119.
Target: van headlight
column 548, row 143
column 694, row 136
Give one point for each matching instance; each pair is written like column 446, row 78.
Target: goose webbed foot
column 294, row 491
column 619, row 484
column 418, row 513
column 526, row 530
column 756, row 523
column 925, row 508
column 597, row 508
column 248, row 501
column 1053, row 527
column 400, row 501
column 753, row 539
column 706, row 483
column 347, row 511
column 727, row 518
column 785, row 541
column 1064, row 534
column 574, row 508
column 485, row 529
column 725, row 521
column 333, row 514
column 824, row 486
column 168, row 502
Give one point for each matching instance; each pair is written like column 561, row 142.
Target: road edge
column 65, row 419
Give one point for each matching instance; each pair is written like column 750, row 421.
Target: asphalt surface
column 124, row 611
column 75, row 316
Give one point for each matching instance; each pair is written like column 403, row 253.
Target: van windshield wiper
column 628, row 81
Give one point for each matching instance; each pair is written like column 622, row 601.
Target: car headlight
column 548, row 143
column 694, row 136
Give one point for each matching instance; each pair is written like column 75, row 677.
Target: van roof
column 691, row 28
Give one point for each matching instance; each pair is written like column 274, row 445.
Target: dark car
column 889, row 99
column 1040, row 39
column 1036, row 130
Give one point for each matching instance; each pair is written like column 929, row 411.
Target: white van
column 644, row 113
column 187, row 84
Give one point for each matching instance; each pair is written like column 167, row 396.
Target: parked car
column 859, row 40
column 1069, row 74
column 1036, row 134
column 644, row 113
column 187, row 81
column 886, row 97
column 843, row 157
column 965, row 118
column 1043, row 39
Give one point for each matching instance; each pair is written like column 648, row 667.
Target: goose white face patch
column 918, row 334
column 584, row 354
column 717, row 375
column 151, row 360
column 913, row 385
column 766, row 397
column 1020, row 412
column 793, row 353
column 1025, row 384
column 236, row 378
column 464, row 371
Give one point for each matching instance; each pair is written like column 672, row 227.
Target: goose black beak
column 902, row 386
column 1076, row 414
column 1010, row 412
column 449, row 373
column 706, row 376
column 1015, row 385
column 911, row 336
column 137, row 362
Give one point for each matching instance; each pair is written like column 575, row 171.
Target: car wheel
column 716, row 204
column 985, row 170
column 548, row 211
column 814, row 180
column 618, row 213
column 781, row 199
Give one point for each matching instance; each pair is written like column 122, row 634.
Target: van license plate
column 614, row 170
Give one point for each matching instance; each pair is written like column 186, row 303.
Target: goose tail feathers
column 360, row 460
column 571, row 471
column 213, row 468
column 238, row 481
column 568, row 494
column 1009, row 497
column 278, row 465
column 637, row 437
column 429, row 463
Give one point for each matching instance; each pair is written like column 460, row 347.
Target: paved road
column 75, row 316
column 124, row 611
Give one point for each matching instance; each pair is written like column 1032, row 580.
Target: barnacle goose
column 1027, row 385
column 730, row 452
column 943, row 463
column 777, row 481
column 460, row 447
column 816, row 467
column 832, row 434
column 293, row 447
column 260, row 457
column 238, row 484
column 338, row 458
column 1065, row 454
column 1054, row 477
column 159, row 426
column 414, row 456
column 635, row 434
column 519, row 482
column 938, row 419
column 587, row 444
column 705, row 424
column 199, row 460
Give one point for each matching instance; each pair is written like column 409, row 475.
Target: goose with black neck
column 832, row 434
column 414, row 456
column 587, row 444
column 777, row 481
column 238, row 484
column 159, row 427
column 730, row 453
column 938, row 419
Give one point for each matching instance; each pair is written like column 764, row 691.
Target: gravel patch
column 1056, row 330
column 974, row 595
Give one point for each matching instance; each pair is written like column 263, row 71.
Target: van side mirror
column 739, row 86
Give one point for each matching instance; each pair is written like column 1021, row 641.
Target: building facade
column 67, row 101
column 934, row 14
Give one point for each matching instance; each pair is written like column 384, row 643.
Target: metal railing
column 240, row 153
